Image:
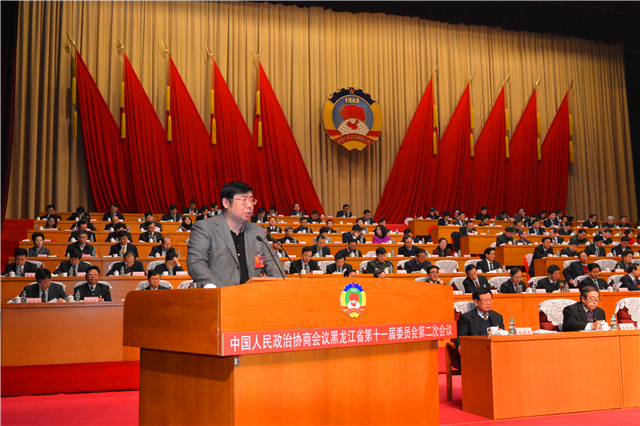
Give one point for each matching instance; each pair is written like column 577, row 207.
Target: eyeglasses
column 486, row 301
column 92, row 275
column 593, row 299
column 247, row 201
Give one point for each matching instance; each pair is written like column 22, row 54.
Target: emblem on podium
column 352, row 118
column 353, row 300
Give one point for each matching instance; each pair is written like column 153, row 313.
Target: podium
column 296, row 351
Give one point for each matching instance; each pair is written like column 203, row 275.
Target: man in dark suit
column 581, row 238
column 552, row 282
column 92, row 288
column 305, row 263
column 632, row 280
column 571, row 251
column 173, row 215
column 296, row 211
column 506, row 238
column 577, row 269
column 329, row 225
column 320, row 248
column 592, row 222
column 474, row 280
column 352, row 235
column 566, row 229
column 433, row 275
column 45, row 290
column 596, row 248
column 273, row 227
column 151, row 236
column 81, row 245
column 622, row 247
column 80, row 212
column 51, row 212
column 123, row 246
column 444, row 220
column 535, row 228
column 542, row 251
column 488, row 264
column 593, row 278
column 73, row 266
column 468, row 229
column 511, row 284
column 433, row 214
column 552, row 220
column 82, row 226
column 555, row 239
column 20, row 266
column 113, row 222
column 171, row 265
column 261, row 217
column 163, row 248
column 315, row 217
column 76, row 226
column 351, row 250
column 409, row 233
column 503, row 215
column 418, row 263
column 523, row 238
column 408, row 249
column 288, row 238
column 483, row 214
column 148, row 219
column 345, row 212
column 130, row 264
column 113, row 211
column 584, row 315
column 366, row 217
column 303, row 228
column 606, row 236
column 192, row 209
column 477, row 321
column 113, row 236
column 340, row 266
column 153, row 279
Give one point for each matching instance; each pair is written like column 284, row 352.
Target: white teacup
column 165, row 273
column 116, row 273
column 12, row 274
column 113, row 240
column 492, row 330
column 17, row 299
column 69, row 298
column 603, row 326
column 64, row 274
column 157, row 254
column 73, row 240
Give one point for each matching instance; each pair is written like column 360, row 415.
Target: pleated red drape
column 146, row 145
column 288, row 180
column 102, row 145
column 488, row 173
column 520, row 173
column 455, row 166
column 415, row 167
column 553, row 168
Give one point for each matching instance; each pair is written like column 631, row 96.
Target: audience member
column 122, row 246
column 45, row 290
column 552, row 281
column 38, row 248
column 130, row 265
column 474, row 280
column 92, row 288
column 511, row 284
column 340, row 266
column 113, row 211
column 20, row 265
column 584, row 315
column 163, row 248
column 173, row 215
column 73, row 266
column 82, row 245
column 418, row 263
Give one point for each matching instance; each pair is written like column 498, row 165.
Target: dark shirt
column 238, row 241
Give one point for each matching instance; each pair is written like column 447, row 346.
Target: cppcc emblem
column 353, row 300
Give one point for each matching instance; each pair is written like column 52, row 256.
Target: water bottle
column 504, row 268
column 391, row 269
column 93, row 253
column 533, row 287
column 488, row 231
column 122, row 270
column 512, row 327
column 393, row 253
column 178, row 252
column 76, row 296
column 170, row 270
column 23, row 297
column 558, row 252
column 308, row 268
column 614, row 322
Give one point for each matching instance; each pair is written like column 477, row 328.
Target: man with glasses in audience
column 92, row 288
column 81, row 245
column 46, row 291
column 73, row 266
column 478, row 320
column 130, row 265
column 584, row 315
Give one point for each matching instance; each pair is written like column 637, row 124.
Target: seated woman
column 442, row 250
column 186, row 224
column 38, row 248
column 381, row 236
column 52, row 223
column 361, row 223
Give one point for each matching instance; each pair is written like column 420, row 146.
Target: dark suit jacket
column 331, row 269
column 299, row 214
column 168, row 216
column 107, row 216
column 568, row 252
column 443, row 222
column 546, row 284
column 136, row 267
column 469, row 324
column 549, row 222
column 163, row 267
column 628, row 282
column 482, row 266
column 575, row 317
column 413, row 265
column 55, row 291
column 523, row 242
column 587, row 224
column 538, row 253
column 441, row 253
column 296, row 266
column 481, row 216
column 284, row 239
column 145, row 238
column 602, row 284
column 558, row 240
column 503, row 239
column 143, row 226
column 305, row 230
column 348, row 237
column 342, row 214
column 256, row 219
column 148, row 287
column 189, row 212
column 566, row 232
column 578, row 241
column 114, row 235
column 74, row 216
column 88, row 248
column 326, row 251
column 65, row 266
column 592, row 249
column 465, row 232
column 274, row 230
column 91, row 236
column 532, row 231
column 574, row 270
column 508, row 287
column 406, row 252
column 469, row 286
column 28, row 268
column 347, row 254
column 90, row 226
column 101, row 290
column 47, row 216
column 115, row 249
column 158, row 249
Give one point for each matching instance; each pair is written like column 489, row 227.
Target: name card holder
column 494, row 291
column 82, row 274
column 623, row 289
column 43, row 255
column 466, row 255
column 523, row 330
column 618, row 270
column 138, row 274
column 34, row 300
column 401, row 271
column 457, row 292
column 626, row 326
column 29, row 274
column 91, row 299
column 317, row 272
column 574, row 290
column 182, row 273
column 540, row 290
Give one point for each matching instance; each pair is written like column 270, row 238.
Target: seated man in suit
column 38, row 248
column 606, row 235
column 171, row 265
column 523, row 238
column 409, row 233
column 351, row 250
column 433, row 214
column 296, row 211
column 305, row 264
column 624, row 222
column 214, row 210
column 111, row 226
column 459, row 220
column 503, row 215
column 303, row 228
column 622, row 247
column 626, row 261
column 130, row 265
column 474, row 280
column 552, row 282
column 522, row 217
column 444, row 220
column 80, row 212
column 552, row 221
column 122, row 246
column 585, row 314
column 555, row 239
column 566, row 229
column 273, row 227
column 261, row 217
column 151, row 236
column 82, row 245
column 73, row 266
column 488, row 264
column 329, row 225
column 571, row 251
column 20, row 266
column 596, row 248
column 380, row 266
column 632, row 280
column 153, row 278
column 352, row 235
column 92, row 288
column 366, row 217
column 288, row 236
column 594, row 279
column 418, row 263
column 315, row 217
column 340, row 266
column 441, row 249
column 113, row 211
column 319, row 249
column 484, row 214
column 45, row 290
column 433, row 275
column 576, row 269
column 408, row 249
column 173, row 215
column 468, row 229
column 82, row 226
column 148, row 219
column 535, row 228
column 273, row 211
column 51, row 212
column 592, row 222
column 163, row 248
column 506, row 238
column 192, row 209
column 345, row 212
column 511, row 284
column 113, row 236
column 484, row 222
column 540, row 252
column 580, row 239
column 323, row 231
column 517, row 226
column 477, row 321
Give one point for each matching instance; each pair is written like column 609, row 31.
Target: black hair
column 43, row 274
column 305, row 249
column 80, row 210
column 20, row 252
column 91, row 268
column 51, row 206
column 323, row 229
column 36, row 235
column 383, row 230
column 121, row 234
column 380, row 250
column 469, row 267
column 262, row 210
column 488, row 250
column 430, row 267
column 356, row 227
column 172, row 207
column 514, row 271
column 593, row 266
column 148, row 214
column 446, row 213
column 584, row 291
column 151, row 273
column 366, row 211
column 598, row 238
column 321, row 237
column 623, row 238
column 232, row 189
column 115, row 205
column 545, row 239
column 509, row 229
column 632, row 267
column 76, row 254
column 592, row 215
column 314, row 212
column 420, row 250
column 340, row 255
column 479, row 292
column 552, row 269
column 345, row 205
column 170, row 255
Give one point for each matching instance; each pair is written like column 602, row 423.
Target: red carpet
column 121, row 408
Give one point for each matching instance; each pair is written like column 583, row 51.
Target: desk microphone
column 259, row 238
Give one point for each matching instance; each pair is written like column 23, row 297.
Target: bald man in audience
column 163, row 248
column 130, row 265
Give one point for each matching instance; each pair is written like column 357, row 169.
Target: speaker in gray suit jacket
column 213, row 256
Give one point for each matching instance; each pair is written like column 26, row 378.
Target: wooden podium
column 285, row 352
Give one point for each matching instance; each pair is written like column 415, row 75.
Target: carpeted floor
column 121, row 408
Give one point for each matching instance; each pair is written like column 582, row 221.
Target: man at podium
column 229, row 249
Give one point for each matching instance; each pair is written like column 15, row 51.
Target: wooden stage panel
column 630, row 362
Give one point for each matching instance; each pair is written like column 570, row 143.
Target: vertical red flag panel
column 487, row 184
column 190, row 146
column 409, row 191
column 455, row 166
column 106, row 165
column 146, row 145
column 520, row 172
column 287, row 173
column 553, row 168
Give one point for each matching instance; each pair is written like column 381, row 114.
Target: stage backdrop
column 307, row 54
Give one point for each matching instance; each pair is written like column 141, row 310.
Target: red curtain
column 415, row 167
column 553, row 168
column 520, row 174
column 146, row 145
column 102, row 145
column 288, row 180
column 455, row 165
column 488, row 174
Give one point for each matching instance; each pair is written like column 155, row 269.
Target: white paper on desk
column 502, row 333
column 541, row 331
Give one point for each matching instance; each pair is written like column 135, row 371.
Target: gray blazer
column 212, row 256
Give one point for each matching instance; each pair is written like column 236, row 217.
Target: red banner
column 259, row 342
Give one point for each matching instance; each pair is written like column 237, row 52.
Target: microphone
column 284, row 277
